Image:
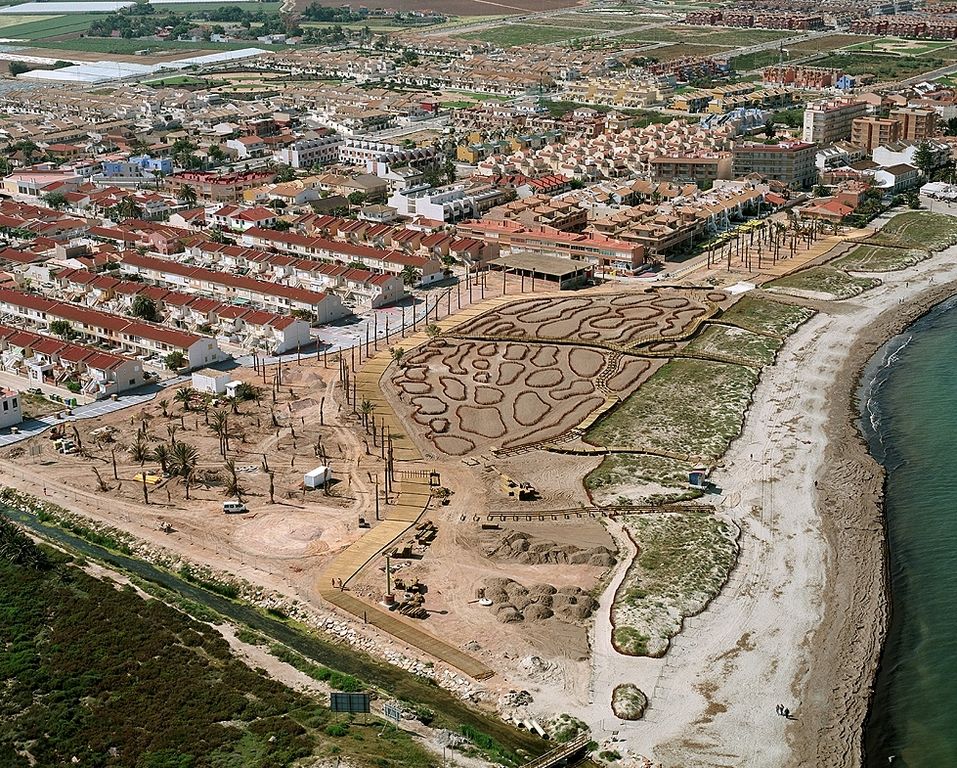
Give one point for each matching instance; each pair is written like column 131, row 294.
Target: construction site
column 472, row 491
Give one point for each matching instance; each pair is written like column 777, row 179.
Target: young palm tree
column 397, row 355
column 164, row 404
column 140, row 449
column 161, row 453
column 232, row 488
column 185, row 396
column 183, row 459
column 433, row 331
column 366, row 409
column 219, row 426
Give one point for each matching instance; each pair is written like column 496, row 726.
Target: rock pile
column 521, row 547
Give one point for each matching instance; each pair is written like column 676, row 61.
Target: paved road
column 33, row 427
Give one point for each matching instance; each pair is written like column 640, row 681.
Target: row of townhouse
column 252, row 330
column 44, row 361
column 274, row 297
column 592, row 248
column 146, row 340
column 375, row 259
column 434, row 245
column 355, row 287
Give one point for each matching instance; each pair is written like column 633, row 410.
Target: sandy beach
column 802, row 617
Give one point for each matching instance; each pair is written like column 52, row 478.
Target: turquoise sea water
column 909, row 404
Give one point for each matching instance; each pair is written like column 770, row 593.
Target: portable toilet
column 317, row 477
column 697, row 476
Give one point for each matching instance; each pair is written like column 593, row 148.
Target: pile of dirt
column 513, row 602
column 519, row 546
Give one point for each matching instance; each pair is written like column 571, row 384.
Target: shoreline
column 853, row 523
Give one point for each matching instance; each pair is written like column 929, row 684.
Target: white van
column 234, row 507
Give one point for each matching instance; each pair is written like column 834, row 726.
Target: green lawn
column 765, row 315
column 826, row 281
column 742, row 345
column 176, row 80
column 683, row 560
column 918, row 229
column 876, row 258
column 511, row 35
column 687, row 407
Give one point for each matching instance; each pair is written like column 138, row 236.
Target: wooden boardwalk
column 413, row 494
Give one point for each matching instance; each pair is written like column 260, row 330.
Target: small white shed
column 210, row 382
column 317, row 477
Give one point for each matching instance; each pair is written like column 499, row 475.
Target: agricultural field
column 16, row 21
column 91, row 668
column 765, row 315
column 706, row 402
column 824, row 44
column 46, row 27
column 884, row 67
column 512, row 35
column 123, row 47
column 752, row 61
column 918, row 229
column 900, row 47
column 823, row 282
column 876, row 258
column 683, row 560
column 680, row 50
column 743, row 346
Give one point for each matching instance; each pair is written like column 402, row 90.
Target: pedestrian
column 777, row 709
column 787, row 713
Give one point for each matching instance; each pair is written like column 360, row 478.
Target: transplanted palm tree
column 183, row 459
column 398, row 354
column 185, row 397
column 161, row 453
column 140, row 448
column 219, row 426
column 231, row 486
column 366, row 409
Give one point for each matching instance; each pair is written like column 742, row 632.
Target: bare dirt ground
column 616, row 319
column 462, row 396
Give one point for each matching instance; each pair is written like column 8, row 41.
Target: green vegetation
column 765, row 315
column 618, row 479
column 823, row 44
column 628, row 701
column 511, row 35
column 51, row 26
column 918, row 229
column 95, row 672
column 168, row 82
column 757, row 60
column 688, row 407
column 564, row 728
column 336, row 680
column 741, row 345
column 899, row 47
column 876, row 258
column 683, row 560
column 883, row 67
column 122, row 47
column 824, row 280
column 680, row 50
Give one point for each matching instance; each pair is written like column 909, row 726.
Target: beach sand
column 802, row 617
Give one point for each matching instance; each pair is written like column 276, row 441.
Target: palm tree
column 366, row 408
column 164, row 404
column 161, row 453
column 433, row 331
column 128, row 209
column 140, row 449
column 410, row 275
column 183, row 459
column 232, row 488
column 397, row 355
column 188, row 195
column 219, row 426
column 186, row 395
column 233, row 404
